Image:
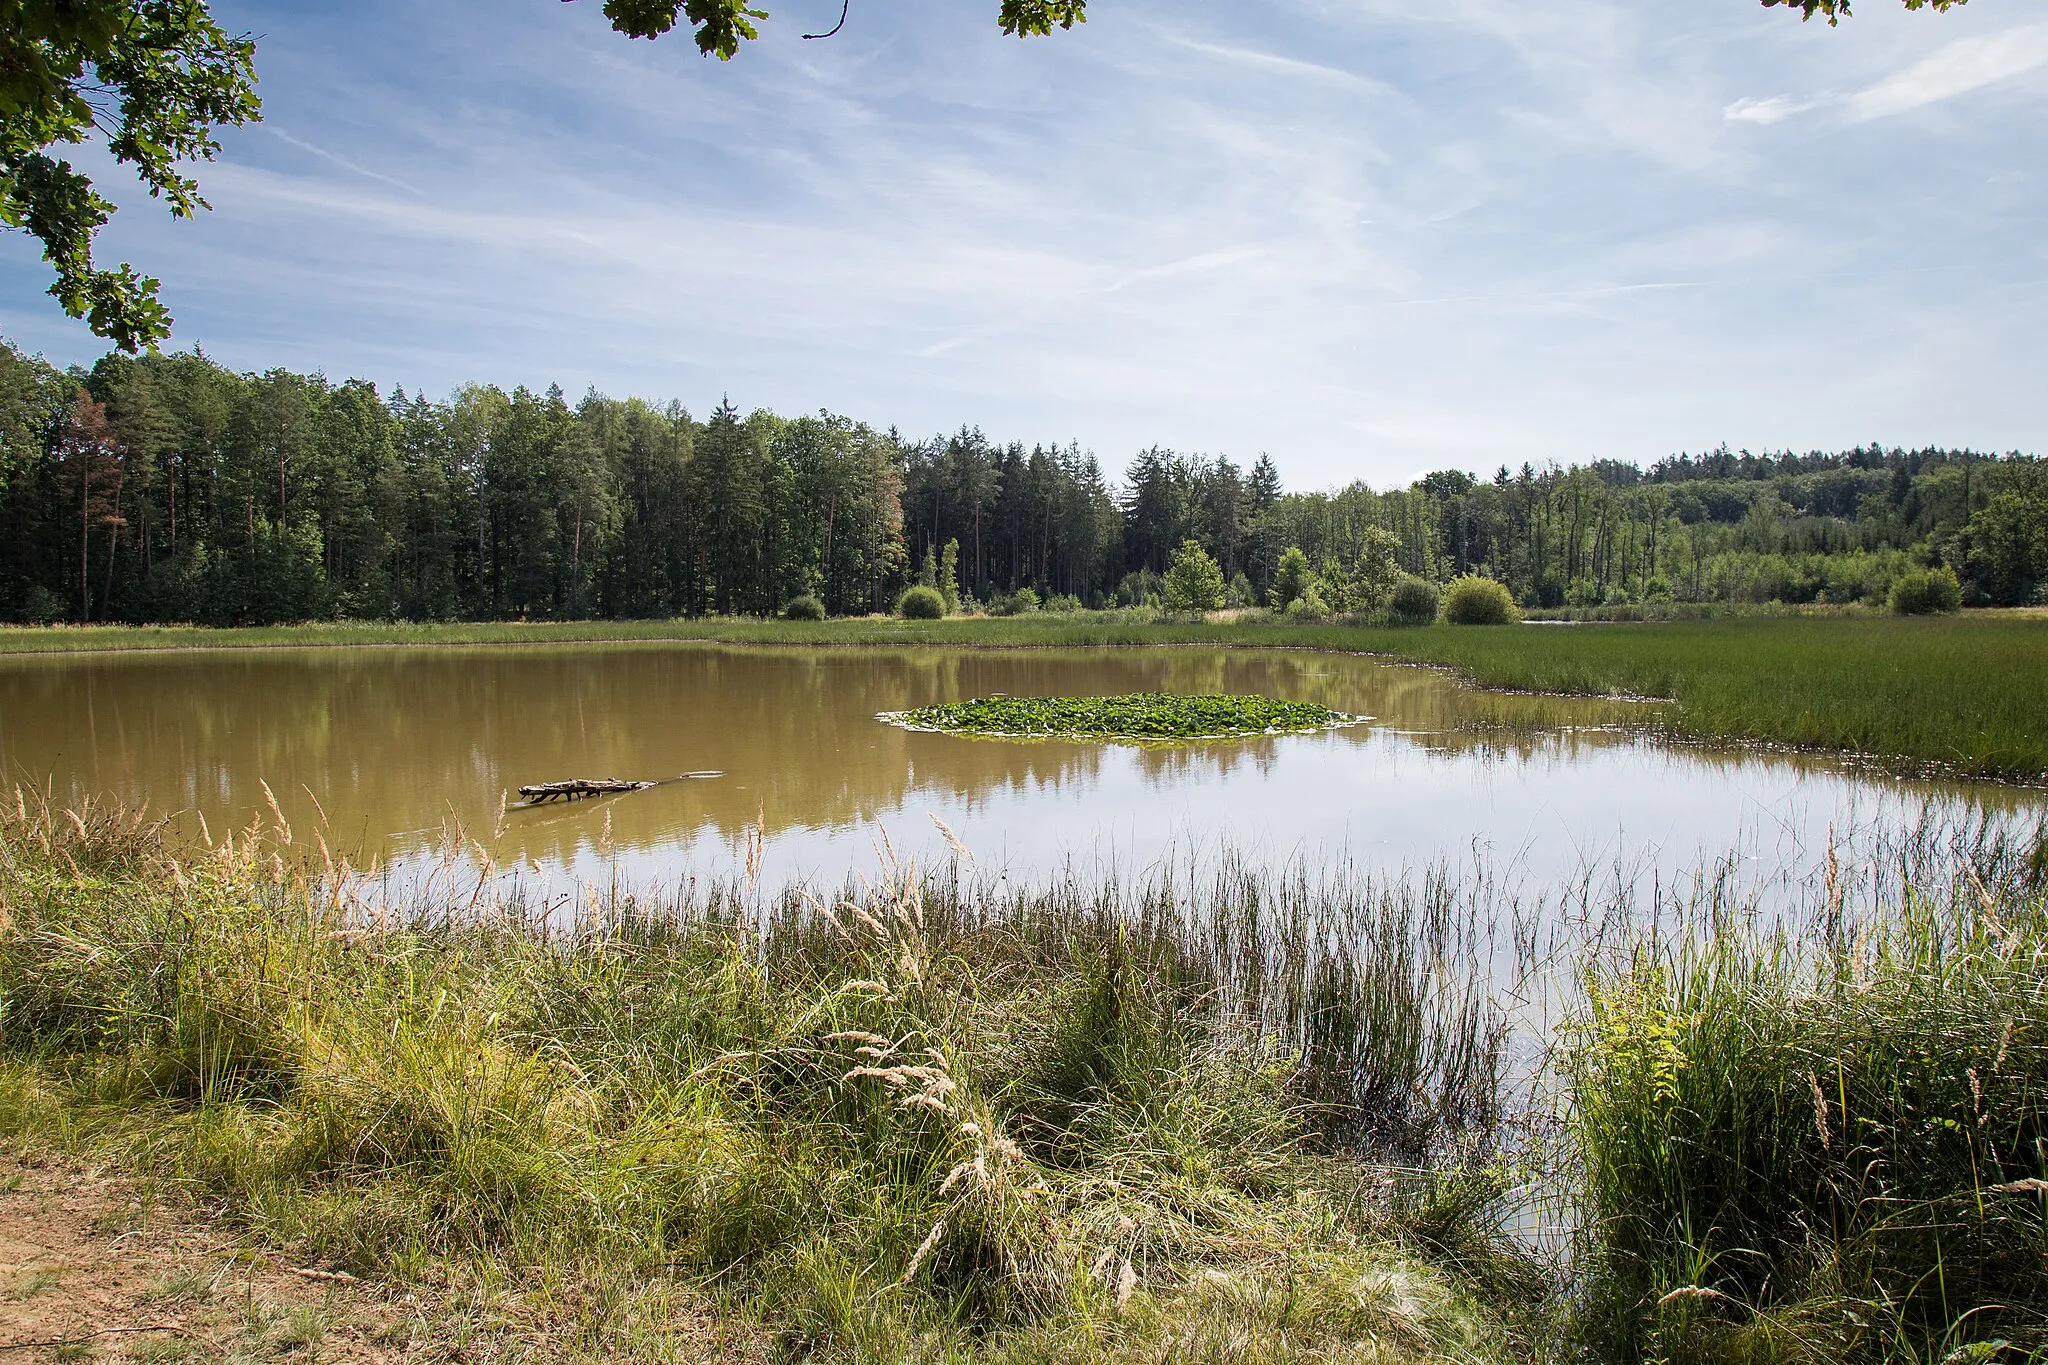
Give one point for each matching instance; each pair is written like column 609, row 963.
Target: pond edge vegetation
column 1262, row 1115
column 1140, row 717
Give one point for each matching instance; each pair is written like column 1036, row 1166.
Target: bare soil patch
column 94, row 1268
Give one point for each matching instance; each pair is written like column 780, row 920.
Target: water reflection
column 388, row 748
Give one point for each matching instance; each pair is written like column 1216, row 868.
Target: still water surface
column 390, row 749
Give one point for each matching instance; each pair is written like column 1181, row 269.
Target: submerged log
column 579, row 786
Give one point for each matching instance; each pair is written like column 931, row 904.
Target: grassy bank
column 1963, row 695
column 905, row 1126
column 1258, row 1118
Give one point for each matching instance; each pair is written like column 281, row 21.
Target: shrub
column 1922, row 592
column 1290, row 579
column 1475, row 601
column 1063, row 602
column 1193, row 582
column 804, row 607
column 1310, row 606
column 921, row 604
column 1022, row 602
column 1413, row 602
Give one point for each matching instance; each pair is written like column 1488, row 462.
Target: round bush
column 1922, row 592
column 921, row 604
column 1475, row 601
column 804, row 607
column 1413, row 602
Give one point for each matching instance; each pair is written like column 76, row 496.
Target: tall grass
column 1215, row 1114
column 1962, row 695
column 906, row 1122
column 1821, row 1142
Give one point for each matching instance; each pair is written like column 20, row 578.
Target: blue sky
column 1370, row 237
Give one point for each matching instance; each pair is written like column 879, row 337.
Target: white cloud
column 1776, row 109
column 1364, row 235
column 1962, row 66
column 1959, row 68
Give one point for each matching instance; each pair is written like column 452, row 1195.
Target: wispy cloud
column 1775, row 109
column 1958, row 68
column 351, row 167
column 1365, row 235
column 1962, row 66
column 1274, row 64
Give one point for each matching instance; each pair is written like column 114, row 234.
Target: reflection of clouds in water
column 1647, row 818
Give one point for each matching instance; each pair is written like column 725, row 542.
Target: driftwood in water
column 579, row 786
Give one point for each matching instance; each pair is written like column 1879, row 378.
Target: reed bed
column 898, row 1123
column 1218, row 1112
column 1821, row 1140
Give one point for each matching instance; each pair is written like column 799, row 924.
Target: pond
column 387, row 752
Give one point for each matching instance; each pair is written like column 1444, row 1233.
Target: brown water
column 389, row 750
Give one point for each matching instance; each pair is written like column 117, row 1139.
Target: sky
column 1368, row 237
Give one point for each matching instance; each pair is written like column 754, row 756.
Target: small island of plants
column 1142, row 715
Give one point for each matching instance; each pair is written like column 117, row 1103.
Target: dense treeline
column 165, row 487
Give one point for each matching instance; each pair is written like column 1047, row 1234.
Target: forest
column 165, row 487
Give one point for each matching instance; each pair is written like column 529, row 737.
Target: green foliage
column 1413, row 602
column 155, row 79
column 1291, row 579
column 948, row 580
column 1925, row 592
column 498, row 505
column 1834, row 11
column 921, row 604
column 1144, row 715
column 721, row 26
column 1376, row 570
column 1310, row 606
column 804, row 607
column 1836, row 1151
column 2008, row 538
column 1194, row 582
column 1470, row 600
column 1022, row 602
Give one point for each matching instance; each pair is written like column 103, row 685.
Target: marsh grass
column 1821, row 1140
column 1230, row 1121
column 1218, row 1113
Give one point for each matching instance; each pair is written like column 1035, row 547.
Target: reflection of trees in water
column 396, row 741
column 1162, row 764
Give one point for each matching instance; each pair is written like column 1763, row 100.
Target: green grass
column 906, row 1124
column 1258, row 1117
column 1144, row 715
column 1821, row 1146
column 1964, row 695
